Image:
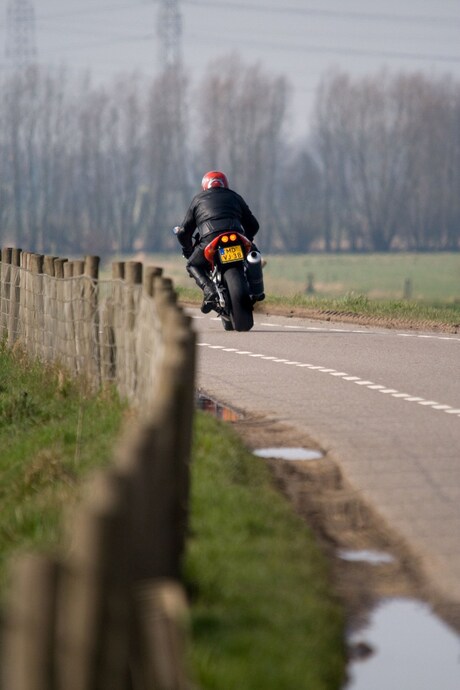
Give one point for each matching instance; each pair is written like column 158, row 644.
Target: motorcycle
column 235, row 268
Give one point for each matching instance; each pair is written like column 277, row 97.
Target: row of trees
column 389, row 155
column 86, row 168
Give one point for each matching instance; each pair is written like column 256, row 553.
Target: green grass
column 263, row 615
column 51, row 437
column 434, row 277
column 361, row 305
column 262, row 612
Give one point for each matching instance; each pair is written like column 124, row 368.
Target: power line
column 172, row 38
column 350, row 52
column 169, row 31
column 105, row 9
column 314, row 12
column 276, row 9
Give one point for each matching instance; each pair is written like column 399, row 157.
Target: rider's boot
column 205, row 283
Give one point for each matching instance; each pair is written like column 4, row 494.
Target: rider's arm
column 249, row 221
column 186, row 230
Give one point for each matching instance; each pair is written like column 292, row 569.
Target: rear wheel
column 241, row 311
column 227, row 323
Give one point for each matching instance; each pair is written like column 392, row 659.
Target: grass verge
column 262, row 611
column 51, row 436
column 361, row 305
column 420, row 312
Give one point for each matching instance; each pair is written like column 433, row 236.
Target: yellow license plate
column 228, row 254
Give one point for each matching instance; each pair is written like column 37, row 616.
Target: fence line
column 110, row 612
column 103, row 330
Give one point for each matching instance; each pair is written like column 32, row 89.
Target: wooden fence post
column 5, row 289
column 69, row 322
column 23, row 327
column 150, row 273
column 50, row 312
column 78, row 268
column 36, row 306
column 130, row 302
column 116, row 301
column 59, row 267
column 15, row 297
column 29, row 640
column 162, row 621
column 92, row 631
column 59, row 339
column 91, row 320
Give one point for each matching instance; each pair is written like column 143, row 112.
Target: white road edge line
column 354, row 379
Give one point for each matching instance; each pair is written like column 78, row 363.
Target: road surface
column 385, row 404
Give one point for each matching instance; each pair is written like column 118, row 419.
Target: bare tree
column 167, row 159
column 388, row 150
column 302, row 208
column 242, row 114
column 360, row 127
column 433, row 148
column 126, row 139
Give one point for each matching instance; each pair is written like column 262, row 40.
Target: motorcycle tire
column 241, row 305
column 227, row 323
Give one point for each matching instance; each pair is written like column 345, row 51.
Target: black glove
column 187, row 252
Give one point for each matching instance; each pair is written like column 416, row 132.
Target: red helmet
column 214, row 178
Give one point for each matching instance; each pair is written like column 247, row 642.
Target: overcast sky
column 299, row 38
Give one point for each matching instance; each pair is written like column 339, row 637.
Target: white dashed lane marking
column 266, row 324
column 379, row 388
column 362, row 332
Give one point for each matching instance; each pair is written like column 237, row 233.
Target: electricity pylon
column 21, row 48
column 169, row 30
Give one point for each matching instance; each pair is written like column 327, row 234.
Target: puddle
column 412, row 650
column 207, row 404
column 289, row 453
column 366, row 556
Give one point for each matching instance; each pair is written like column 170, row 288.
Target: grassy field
column 413, row 287
column 432, row 277
column 262, row 612
column 425, row 277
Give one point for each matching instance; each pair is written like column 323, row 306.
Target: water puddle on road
column 207, row 404
column 411, row 649
column 289, row 453
column 366, row 556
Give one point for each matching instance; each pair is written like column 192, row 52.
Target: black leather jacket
column 216, row 210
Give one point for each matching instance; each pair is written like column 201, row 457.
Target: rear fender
column 232, row 238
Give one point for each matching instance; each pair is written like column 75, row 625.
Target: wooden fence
column 109, row 612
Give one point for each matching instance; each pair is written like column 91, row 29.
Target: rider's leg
column 197, row 270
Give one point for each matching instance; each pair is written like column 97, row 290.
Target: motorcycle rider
column 215, row 209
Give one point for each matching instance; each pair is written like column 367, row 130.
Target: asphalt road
column 385, row 404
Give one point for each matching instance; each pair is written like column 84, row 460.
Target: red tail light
column 211, row 248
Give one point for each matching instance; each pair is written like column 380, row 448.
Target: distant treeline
column 94, row 169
